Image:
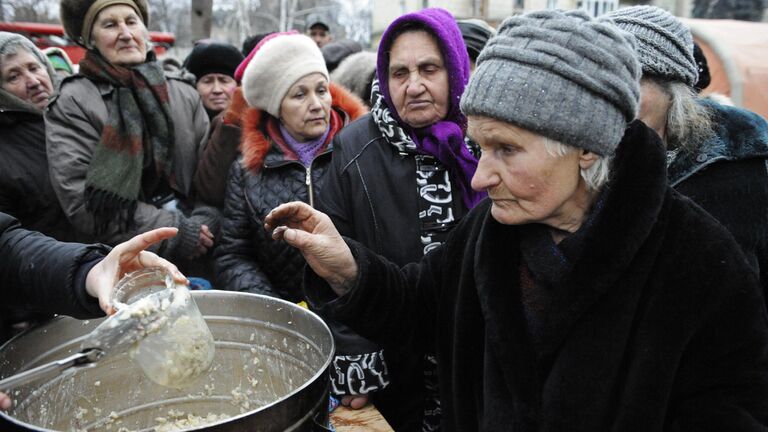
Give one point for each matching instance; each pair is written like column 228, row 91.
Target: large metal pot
column 269, row 374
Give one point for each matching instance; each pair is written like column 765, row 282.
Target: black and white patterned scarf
column 434, row 187
column 436, row 216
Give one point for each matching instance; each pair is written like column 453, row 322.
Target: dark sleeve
column 236, row 265
column 388, row 304
column 210, row 181
column 41, row 274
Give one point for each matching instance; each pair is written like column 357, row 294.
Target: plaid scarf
column 139, row 120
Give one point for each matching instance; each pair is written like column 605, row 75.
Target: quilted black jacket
column 247, row 259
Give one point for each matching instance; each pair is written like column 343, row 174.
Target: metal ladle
column 115, row 335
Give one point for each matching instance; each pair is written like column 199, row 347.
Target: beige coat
column 74, row 122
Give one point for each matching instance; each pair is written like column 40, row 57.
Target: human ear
column 587, row 159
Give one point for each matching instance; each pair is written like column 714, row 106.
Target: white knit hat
column 276, row 66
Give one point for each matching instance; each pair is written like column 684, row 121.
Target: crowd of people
column 544, row 227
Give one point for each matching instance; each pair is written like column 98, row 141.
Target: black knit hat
column 213, row 58
column 74, row 14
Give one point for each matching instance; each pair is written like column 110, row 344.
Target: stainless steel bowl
column 269, row 374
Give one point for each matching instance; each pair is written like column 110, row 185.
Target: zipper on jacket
column 309, row 186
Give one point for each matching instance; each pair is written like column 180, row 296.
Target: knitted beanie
column 9, row 42
column 276, row 65
column 213, row 58
column 665, row 44
column 78, row 16
column 563, row 75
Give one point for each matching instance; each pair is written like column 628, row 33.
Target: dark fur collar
column 254, row 143
column 739, row 134
column 631, row 207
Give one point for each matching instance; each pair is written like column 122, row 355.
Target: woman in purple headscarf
column 401, row 179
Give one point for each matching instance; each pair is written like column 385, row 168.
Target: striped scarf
column 139, row 120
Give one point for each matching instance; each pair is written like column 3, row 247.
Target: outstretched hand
column 313, row 233
column 125, row 258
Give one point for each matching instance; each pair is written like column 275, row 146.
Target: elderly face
column 418, row 79
column 306, row 109
column 654, row 106
column 26, row 78
column 216, row 90
column 120, row 36
column 524, row 181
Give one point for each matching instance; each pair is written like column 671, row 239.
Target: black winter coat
column 25, row 187
column 728, row 177
column 40, row 274
column 661, row 325
column 247, row 259
column 372, row 195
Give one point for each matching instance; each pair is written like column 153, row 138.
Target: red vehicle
column 52, row 35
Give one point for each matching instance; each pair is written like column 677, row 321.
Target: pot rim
column 197, row 294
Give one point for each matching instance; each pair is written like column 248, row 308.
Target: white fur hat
column 276, row 66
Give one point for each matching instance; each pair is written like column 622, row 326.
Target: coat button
column 702, row 158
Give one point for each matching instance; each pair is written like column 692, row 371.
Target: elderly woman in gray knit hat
column 569, row 299
column 717, row 154
column 123, row 138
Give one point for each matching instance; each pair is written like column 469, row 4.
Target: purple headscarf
column 444, row 139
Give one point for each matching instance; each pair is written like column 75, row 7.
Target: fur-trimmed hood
column 739, row 134
column 254, row 142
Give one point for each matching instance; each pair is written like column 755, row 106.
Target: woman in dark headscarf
column 402, row 176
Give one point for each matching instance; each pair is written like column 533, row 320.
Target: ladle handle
column 48, row 370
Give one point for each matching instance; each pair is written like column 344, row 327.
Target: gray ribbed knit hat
column 664, row 43
column 563, row 75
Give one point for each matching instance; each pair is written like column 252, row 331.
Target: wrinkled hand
column 204, row 242
column 354, row 401
column 313, row 233
column 5, row 401
column 127, row 257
